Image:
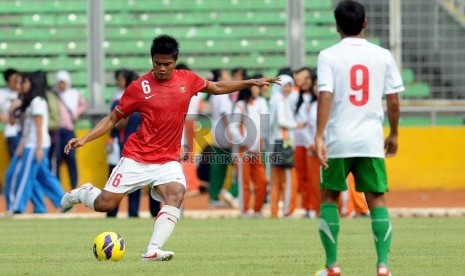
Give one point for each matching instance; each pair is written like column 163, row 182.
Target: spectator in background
column 72, row 105
column 7, row 96
column 264, row 90
column 118, row 137
column 283, row 179
column 29, row 176
column 121, row 83
column 284, row 71
column 112, row 146
column 221, row 107
column 54, row 121
column 304, row 140
column 249, row 134
column 237, row 74
column 187, row 150
column 313, row 164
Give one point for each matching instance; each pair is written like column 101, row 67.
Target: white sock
column 163, row 226
column 88, row 195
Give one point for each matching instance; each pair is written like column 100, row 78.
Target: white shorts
column 129, row 176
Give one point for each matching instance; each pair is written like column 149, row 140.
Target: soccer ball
column 109, row 246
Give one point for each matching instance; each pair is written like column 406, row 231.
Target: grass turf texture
column 426, row 246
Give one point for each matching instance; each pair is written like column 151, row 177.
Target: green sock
column 382, row 231
column 329, row 229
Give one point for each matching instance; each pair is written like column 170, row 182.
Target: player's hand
column 390, row 145
column 19, row 150
column 74, row 143
column 266, row 81
column 311, row 150
column 321, row 151
column 300, row 125
column 39, row 154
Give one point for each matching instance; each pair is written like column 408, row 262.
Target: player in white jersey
column 353, row 77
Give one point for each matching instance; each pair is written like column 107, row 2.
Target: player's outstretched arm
column 325, row 100
column 105, row 125
column 393, row 113
column 225, row 87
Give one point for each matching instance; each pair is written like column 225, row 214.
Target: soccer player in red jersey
column 151, row 155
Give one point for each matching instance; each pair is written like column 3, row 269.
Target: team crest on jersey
column 182, row 88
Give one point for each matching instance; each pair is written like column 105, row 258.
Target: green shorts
column 369, row 174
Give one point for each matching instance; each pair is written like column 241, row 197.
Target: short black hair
column 350, row 16
column 241, row 70
column 130, row 76
column 182, row 66
column 121, row 71
column 216, row 74
column 8, row 73
column 284, row 71
column 165, row 45
column 38, row 88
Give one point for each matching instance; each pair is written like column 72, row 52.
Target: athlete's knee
column 375, row 200
column 106, row 203
column 328, row 196
column 175, row 195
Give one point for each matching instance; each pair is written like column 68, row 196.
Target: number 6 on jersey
column 146, row 87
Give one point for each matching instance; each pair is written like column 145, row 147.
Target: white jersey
column 254, row 131
column 221, row 106
column 38, row 106
column 302, row 136
column 281, row 118
column 6, row 98
column 312, row 121
column 358, row 73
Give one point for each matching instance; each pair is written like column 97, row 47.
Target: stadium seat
column 324, row 17
column 318, row 5
column 316, row 45
column 71, row 19
column 419, row 90
column 321, row 32
column 407, row 76
column 38, row 19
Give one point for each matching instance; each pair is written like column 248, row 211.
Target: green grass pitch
column 421, row 246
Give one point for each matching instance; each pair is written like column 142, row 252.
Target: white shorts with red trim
column 129, row 176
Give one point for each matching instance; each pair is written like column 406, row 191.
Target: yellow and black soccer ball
column 109, row 246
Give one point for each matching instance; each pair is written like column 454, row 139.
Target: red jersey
column 163, row 106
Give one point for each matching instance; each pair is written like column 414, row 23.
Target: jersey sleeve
column 325, row 74
column 197, row 83
column 38, row 106
column 393, row 83
column 128, row 103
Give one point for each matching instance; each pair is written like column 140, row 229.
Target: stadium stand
column 51, row 35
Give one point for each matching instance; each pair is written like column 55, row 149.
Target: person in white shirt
column 221, row 107
column 72, row 105
column 353, row 77
column 7, row 96
column 29, row 176
column 283, row 177
column 248, row 132
column 304, row 138
column 188, row 139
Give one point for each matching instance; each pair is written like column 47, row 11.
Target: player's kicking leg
column 172, row 194
column 92, row 197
